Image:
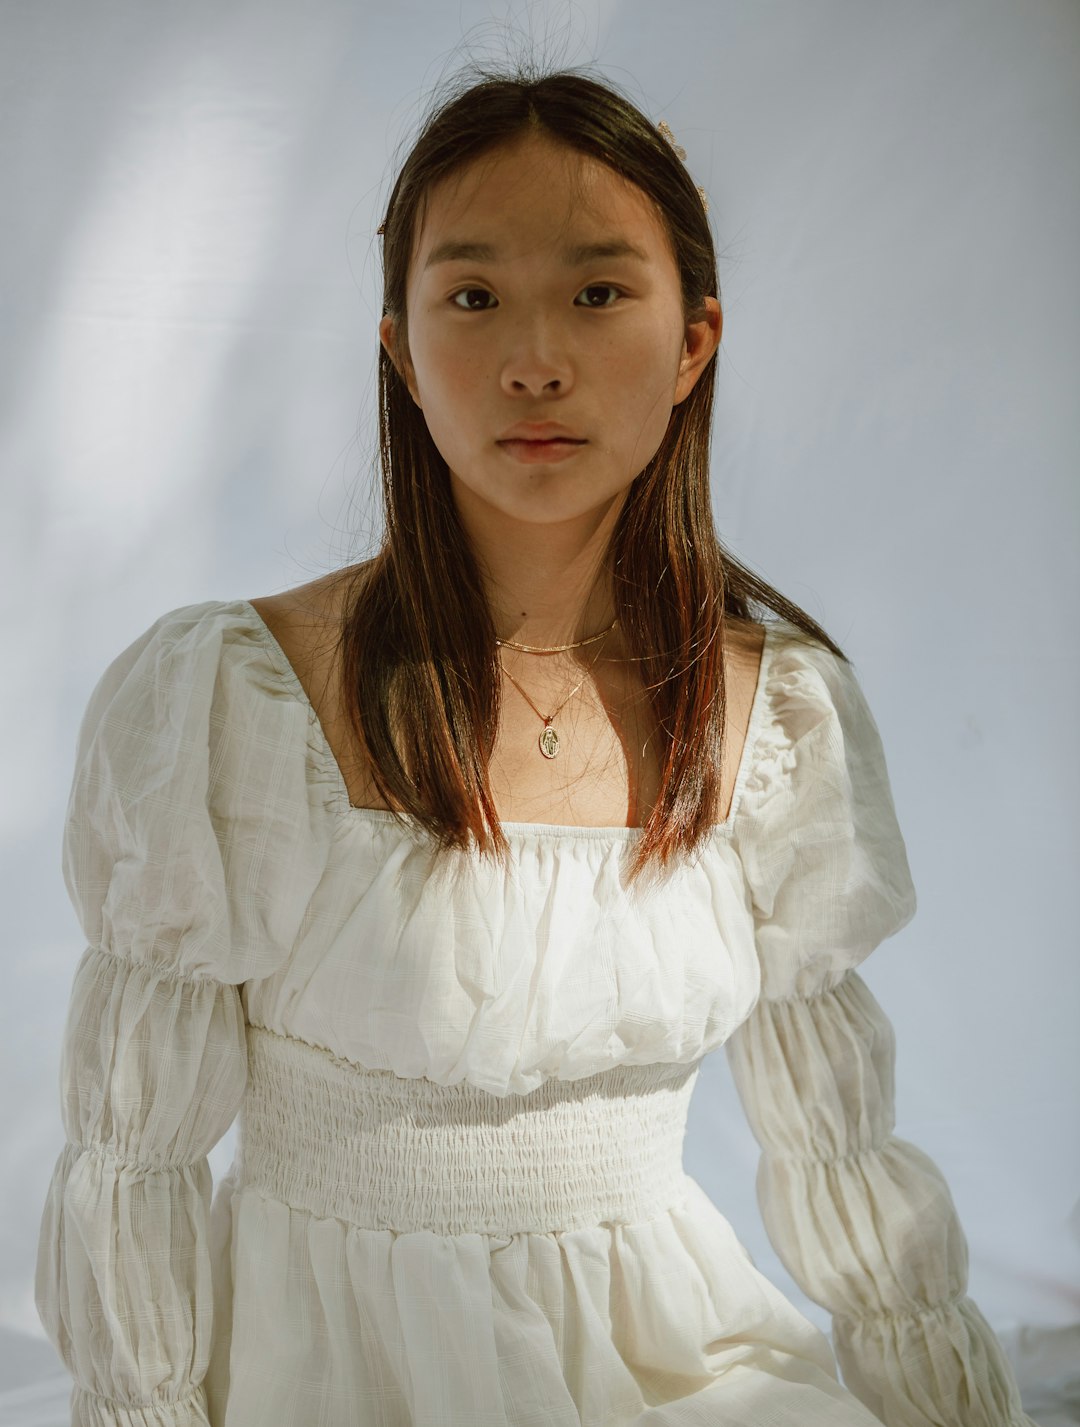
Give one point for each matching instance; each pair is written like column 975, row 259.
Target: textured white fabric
column 462, row 1091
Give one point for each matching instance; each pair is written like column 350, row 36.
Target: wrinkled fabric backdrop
column 191, row 290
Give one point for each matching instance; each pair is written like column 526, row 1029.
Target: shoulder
column 817, row 829
column 802, row 729
column 303, row 607
column 305, row 619
column 323, row 598
column 744, row 644
column 744, row 641
column 193, row 785
column 818, row 756
column 177, row 656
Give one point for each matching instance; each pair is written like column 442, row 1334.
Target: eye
column 592, row 287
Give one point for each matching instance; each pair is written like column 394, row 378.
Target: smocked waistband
column 385, row 1152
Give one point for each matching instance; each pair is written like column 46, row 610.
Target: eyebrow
column 455, row 251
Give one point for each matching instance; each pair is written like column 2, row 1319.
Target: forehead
column 535, row 197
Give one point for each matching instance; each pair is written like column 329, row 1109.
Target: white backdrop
column 191, row 288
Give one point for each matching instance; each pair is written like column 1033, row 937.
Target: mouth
column 557, row 449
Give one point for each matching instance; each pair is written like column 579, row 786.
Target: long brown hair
column 420, row 670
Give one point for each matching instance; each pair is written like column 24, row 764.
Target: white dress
column 458, row 1198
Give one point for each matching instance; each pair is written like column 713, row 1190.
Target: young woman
column 446, row 871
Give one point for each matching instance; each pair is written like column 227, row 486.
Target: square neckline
column 624, row 832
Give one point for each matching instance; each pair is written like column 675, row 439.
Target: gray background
column 191, row 288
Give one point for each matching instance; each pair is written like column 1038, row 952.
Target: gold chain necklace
column 549, row 739
column 557, row 648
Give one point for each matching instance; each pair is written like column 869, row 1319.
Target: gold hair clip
column 662, row 126
column 680, row 153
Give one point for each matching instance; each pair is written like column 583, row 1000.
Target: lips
column 544, row 452
column 540, row 431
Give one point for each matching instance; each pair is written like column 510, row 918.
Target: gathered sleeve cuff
column 190, row 803
column 862, row 1220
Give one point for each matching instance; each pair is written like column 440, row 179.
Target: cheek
column 641, row 380
column 449, row 365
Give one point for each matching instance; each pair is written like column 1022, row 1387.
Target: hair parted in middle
column 420, row 668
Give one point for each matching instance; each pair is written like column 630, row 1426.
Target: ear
column 387, row 337
column 700, row 343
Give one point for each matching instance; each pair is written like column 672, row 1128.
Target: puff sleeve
column 190, row 813
column 863, row 1220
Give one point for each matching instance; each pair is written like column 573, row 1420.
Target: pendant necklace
column 549, row 738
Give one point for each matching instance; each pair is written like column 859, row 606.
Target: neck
column 542, row 594
column 558, row 619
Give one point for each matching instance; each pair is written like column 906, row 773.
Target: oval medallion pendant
column 549, row 742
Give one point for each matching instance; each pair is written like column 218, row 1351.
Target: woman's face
column 529, row 332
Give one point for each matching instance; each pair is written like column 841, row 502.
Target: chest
column 606, row 772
